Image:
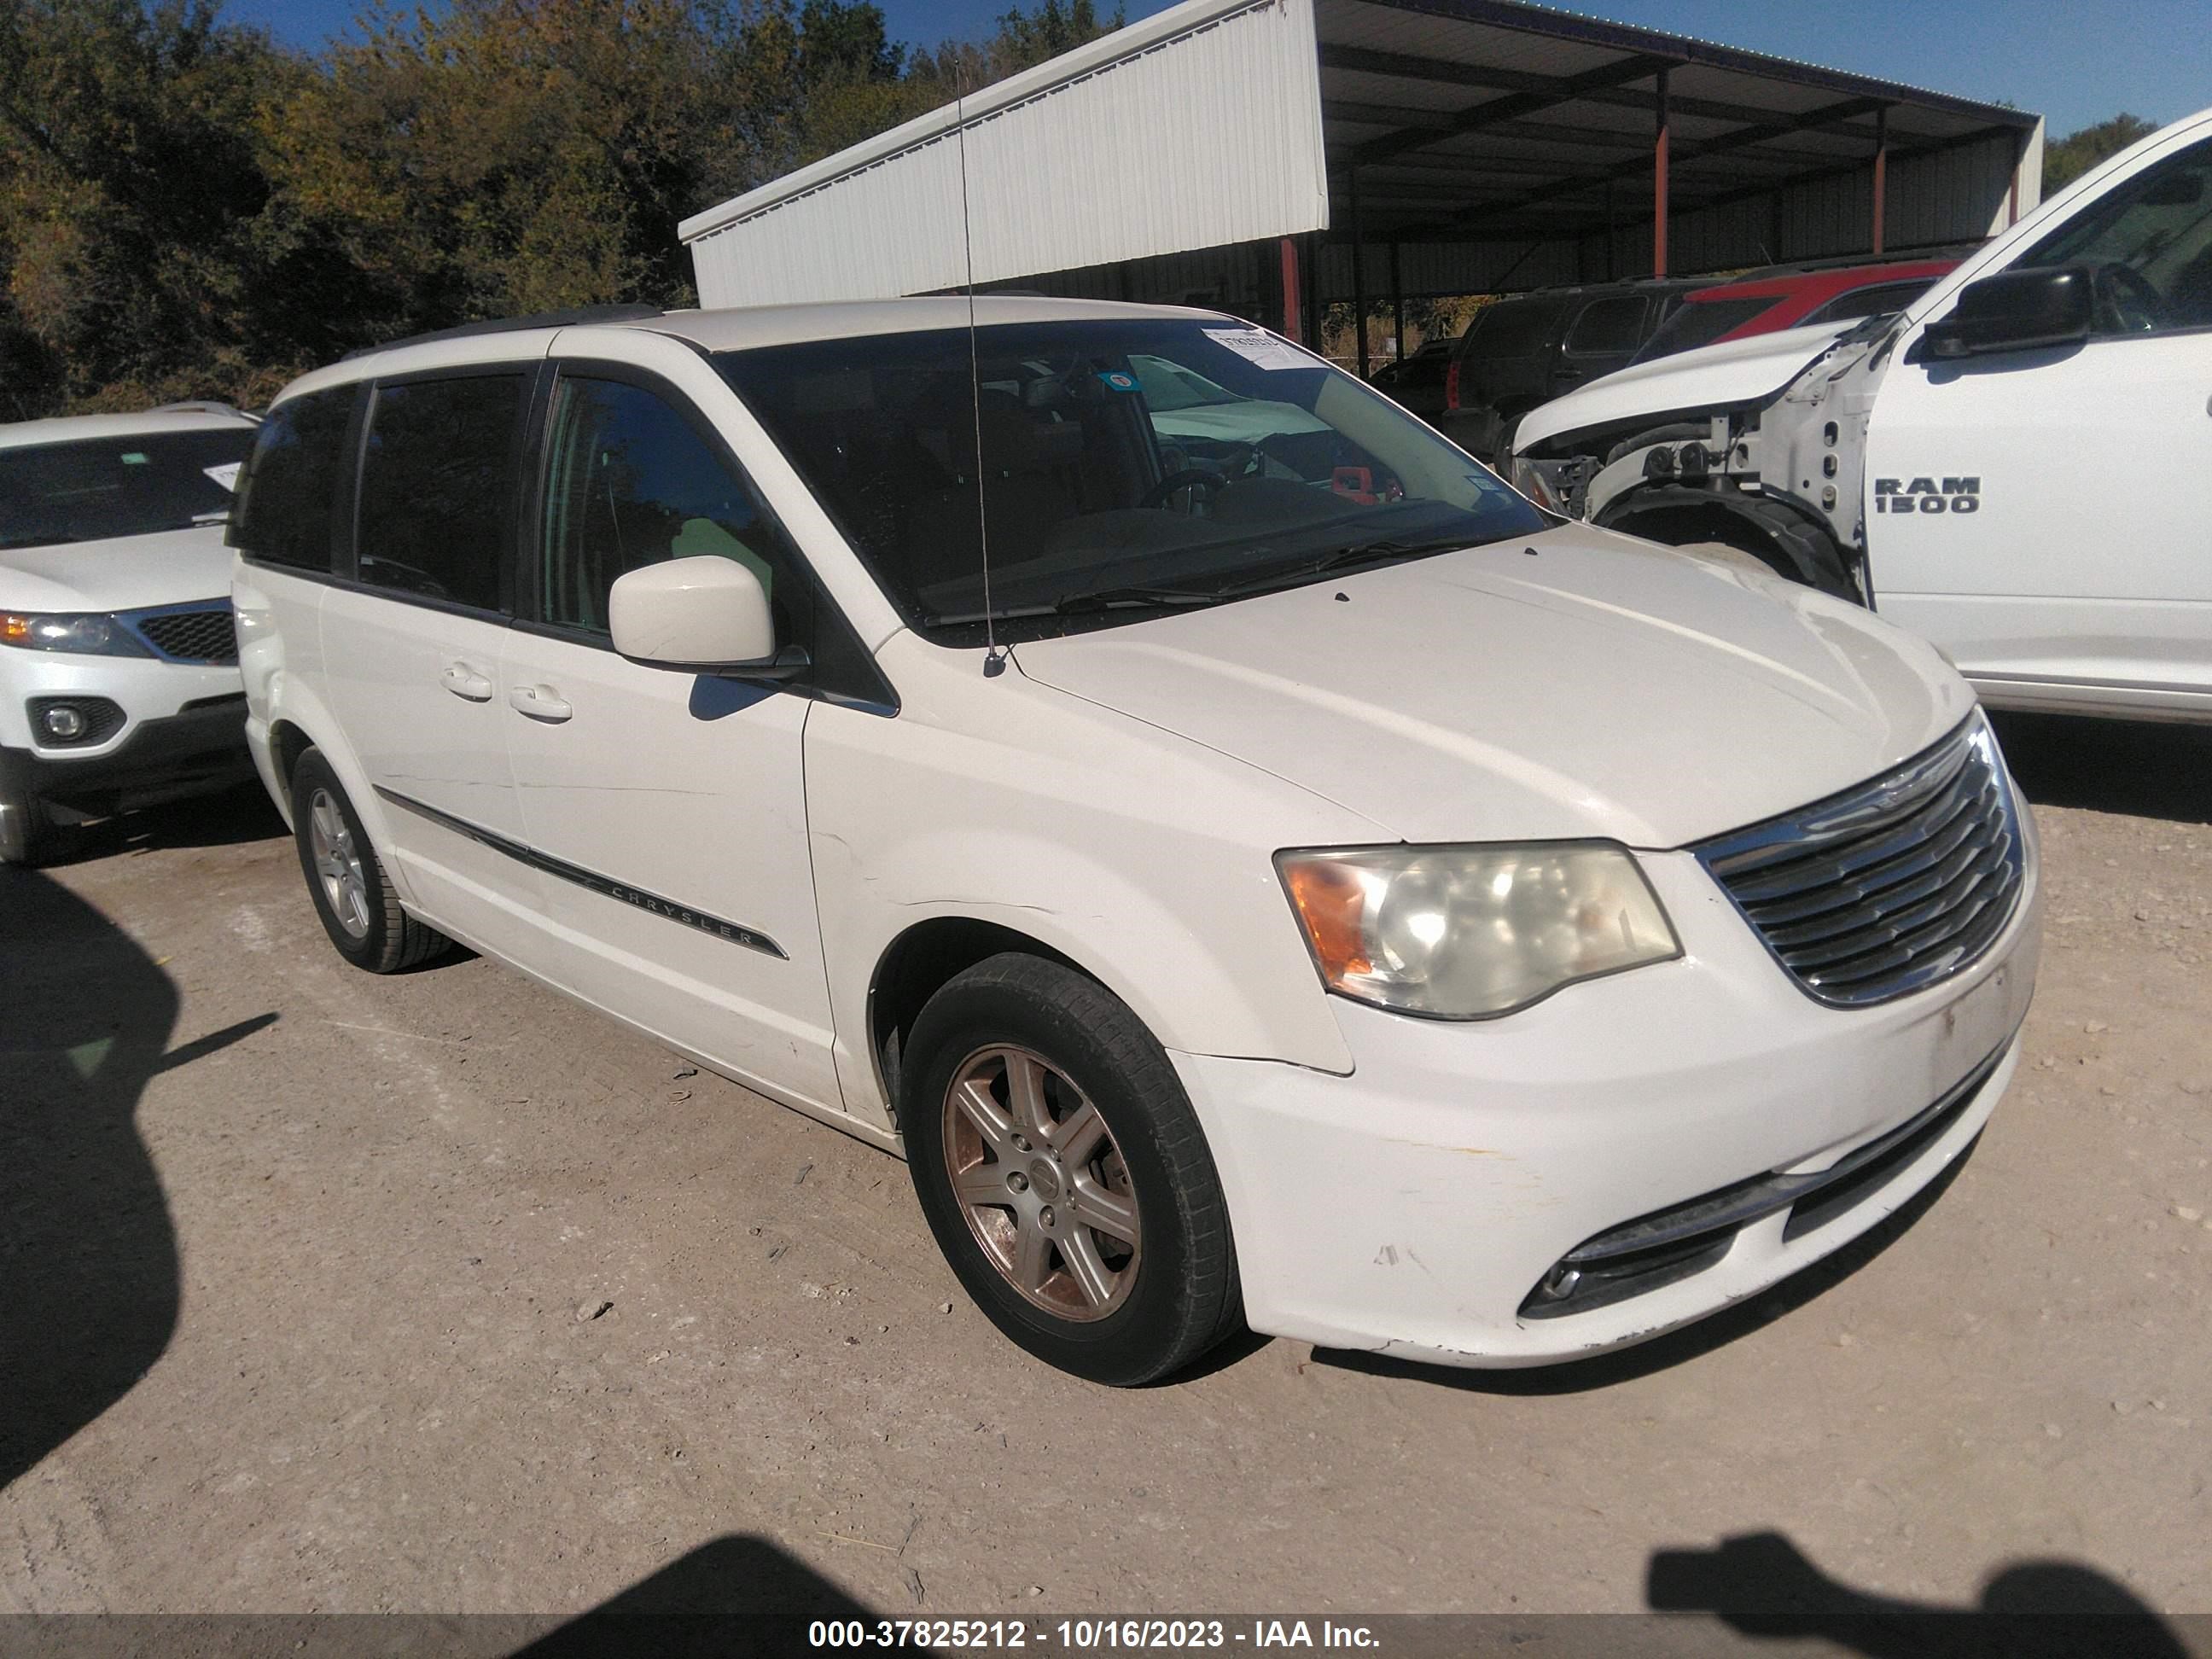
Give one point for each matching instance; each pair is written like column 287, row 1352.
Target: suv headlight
column 91, row 634
column 1469, row 932
column 1556, row 486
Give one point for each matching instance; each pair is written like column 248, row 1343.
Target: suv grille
column 202, row 636
column 1887, row 888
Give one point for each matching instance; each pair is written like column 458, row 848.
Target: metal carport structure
column 1271, row 157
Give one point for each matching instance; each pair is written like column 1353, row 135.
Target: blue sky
column 2075, row 63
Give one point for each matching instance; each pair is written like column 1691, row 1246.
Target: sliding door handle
column 540, row 703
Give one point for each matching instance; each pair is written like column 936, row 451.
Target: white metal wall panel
column 1197, row 127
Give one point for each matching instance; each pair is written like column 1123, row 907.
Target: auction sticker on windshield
column 1260, row 348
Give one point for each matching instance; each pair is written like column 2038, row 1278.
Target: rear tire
column 353, row 896
column 1064, row 1173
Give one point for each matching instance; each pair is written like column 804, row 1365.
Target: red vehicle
column 1763, row 304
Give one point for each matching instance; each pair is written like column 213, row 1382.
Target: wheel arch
column 1792, row 543
column 919, row 962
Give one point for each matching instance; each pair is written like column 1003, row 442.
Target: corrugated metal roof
column 1482, row 124
column 1198, row 126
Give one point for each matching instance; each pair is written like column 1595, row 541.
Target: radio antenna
column 994, row 659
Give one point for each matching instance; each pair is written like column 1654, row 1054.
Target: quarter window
column 630, row 483
column 437, row 487
column 290, row 488
column 1608, row 326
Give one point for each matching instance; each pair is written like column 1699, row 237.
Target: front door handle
column 464, row 681
column 540, row 703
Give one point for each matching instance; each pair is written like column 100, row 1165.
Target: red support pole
column 1659, row 185
column 1881, row 173
column 1293, row 308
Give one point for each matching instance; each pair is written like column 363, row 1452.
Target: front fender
column 1144, row 860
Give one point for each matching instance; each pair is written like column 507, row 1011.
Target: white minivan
column 1264, row 871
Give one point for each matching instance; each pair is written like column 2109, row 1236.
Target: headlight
column 93, row 635
column 1529, row 480
column 1467, row 932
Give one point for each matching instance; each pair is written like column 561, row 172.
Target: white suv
column 1289, row 879
column 118, row 670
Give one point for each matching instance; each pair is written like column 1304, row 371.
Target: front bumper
column 200, row 749
column 1414, row 1206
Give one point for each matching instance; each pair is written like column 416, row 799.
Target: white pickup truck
column 2018, row 466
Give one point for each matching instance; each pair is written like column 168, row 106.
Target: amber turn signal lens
column 15, row 629
column 1332, row 904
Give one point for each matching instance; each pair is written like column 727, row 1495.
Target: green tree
column 130, row 191
column 187, row 209
column 2065, row 159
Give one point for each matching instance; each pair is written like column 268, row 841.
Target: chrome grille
column 205, row 634
column 1890, row 887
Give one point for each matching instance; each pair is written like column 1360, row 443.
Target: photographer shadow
column 1762, row 1585
column 733, row 1595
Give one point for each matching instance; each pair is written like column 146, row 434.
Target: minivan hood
column 1580, row 684
column 1711, row 377
column 123, row 573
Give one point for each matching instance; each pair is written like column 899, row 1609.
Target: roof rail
column 579, row 317
column 197, row 406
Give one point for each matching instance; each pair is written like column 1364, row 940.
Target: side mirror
column 706, row 613
column 2015, row 310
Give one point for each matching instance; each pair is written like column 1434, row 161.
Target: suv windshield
column 97, row 488
column 1125, row 466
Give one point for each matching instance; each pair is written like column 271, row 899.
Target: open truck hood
column 1580, row 684
column 1710, row 377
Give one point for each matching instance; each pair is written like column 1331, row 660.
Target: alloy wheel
column 337, row 864
column 1043, row 1185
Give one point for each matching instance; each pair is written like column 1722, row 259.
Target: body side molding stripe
column 605, row 886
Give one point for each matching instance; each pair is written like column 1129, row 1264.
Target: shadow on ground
column 88, row 1256
column 238, row 815
column 718, row 1588
column 2140, row 767
column 1606, row 1371
column 1762, row 1585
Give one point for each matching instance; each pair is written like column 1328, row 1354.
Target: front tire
column 1064, row 1173
column 31, row 837
column 353, row 896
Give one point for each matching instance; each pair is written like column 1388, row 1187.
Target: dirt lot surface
column 324, row 1292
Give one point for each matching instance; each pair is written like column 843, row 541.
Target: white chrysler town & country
column 1273, row 874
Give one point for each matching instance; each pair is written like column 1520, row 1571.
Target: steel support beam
column 1496, row 111
column 1659, row 181
column 1358, row 276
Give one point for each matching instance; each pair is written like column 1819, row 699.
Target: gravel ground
column 436, row 1293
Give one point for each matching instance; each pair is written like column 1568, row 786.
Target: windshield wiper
column 1113, row 598
column 1343, row 558
column 1105, row 599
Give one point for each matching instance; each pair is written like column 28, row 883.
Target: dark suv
column 1533, row 348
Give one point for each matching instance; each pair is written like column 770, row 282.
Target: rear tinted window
column 1697, row 323
column 95, row 489
column 1608, row 325
column 437, row 487
column 1513, row 328
column 291, row 488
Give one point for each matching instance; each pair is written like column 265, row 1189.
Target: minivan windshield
column 92, row 489
column 1125, row 466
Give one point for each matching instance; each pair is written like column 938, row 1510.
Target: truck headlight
column 1469, row 932
column 89, row 634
